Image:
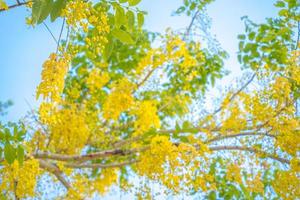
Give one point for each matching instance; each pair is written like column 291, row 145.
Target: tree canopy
column 122, row 108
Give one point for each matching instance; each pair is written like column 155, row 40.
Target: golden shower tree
column 119, row 112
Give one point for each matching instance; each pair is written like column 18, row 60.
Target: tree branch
column 236, row 93
column 15, row 6
column 98, row 165
column 188, row 30
column 56, row 171
column 251, row 150
column 222, row 137
column 86, row 157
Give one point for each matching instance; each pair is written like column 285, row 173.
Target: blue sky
column 23, row 49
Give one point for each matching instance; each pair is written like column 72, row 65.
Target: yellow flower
column 20, row 178
column 97, row 80
column 53, row 77
column 146, row 112
column 119, row 100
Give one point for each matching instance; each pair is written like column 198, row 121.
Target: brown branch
column 15, row 6
column 251, row 150
column 98, row 165
column 60, row 34
column 56, row 171
column 188, row 30
column 86, row 157
column 146, row 77
column 222, row 137
column 236, row 93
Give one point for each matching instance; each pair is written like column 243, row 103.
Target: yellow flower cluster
column 83, row 187
column 286, row 185
column 174, row 166
column 281, row 90
column 20, row 179
column 288, row 138
column 234, row 173
column 98, row 39
column 175, row 51
column 82, row 14
column 256, row 185
column 204, row 182
column 119, row 100
column 146, row 112
column 236, row 120
column 107, row 178
column 76, row 13
column 3, row 5
column 53, row 75
column 68, row 129
column 96, row 80
column 153, row 59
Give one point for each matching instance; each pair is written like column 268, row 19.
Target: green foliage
column 57, row 7
column 190, row 6
column 11, row 138
column 123, row 36
column 269, row 43
column 4, row 106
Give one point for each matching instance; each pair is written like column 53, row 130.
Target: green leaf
column 40, row 10
column 212, row 195
column 122, row 1
column 251, row 35
column 9, row 153
column 20, row 154
column 241, row 36
column 133, row 2
column 130, row 19
column 1, row 152
column 280, row 4
column 177, row 127
column 123, row 36
column 193, row 6
column 108, row 49
column 186, row 125
column 283, row 13
column 140, row 17
column 120, row 17
column 58, row 6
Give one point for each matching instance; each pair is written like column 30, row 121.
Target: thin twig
column 15, row 6
column 222, row 137
column 236, row 93
column 251, row 150
column 60, row 34
column 188, row 30
column 50, row 32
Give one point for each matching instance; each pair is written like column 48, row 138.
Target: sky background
column 23, row 49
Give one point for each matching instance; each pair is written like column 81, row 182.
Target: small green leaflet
column 58, row 6
column 108, row 49
column 123, row 36
column 20, row 154
column 9, row 153
column 134, row 2
column 41, row 10
column 140, row 17
column 130, row 19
